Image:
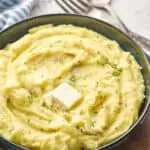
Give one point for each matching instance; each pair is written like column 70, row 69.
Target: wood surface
column 140, row 140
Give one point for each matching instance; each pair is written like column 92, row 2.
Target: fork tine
column 74, row 6
column 64, row 8
column 84, row 3
column 79, row 6
column 71, row 7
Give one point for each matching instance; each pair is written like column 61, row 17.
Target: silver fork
column 82, row 7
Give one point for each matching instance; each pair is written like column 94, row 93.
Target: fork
column 82, row 7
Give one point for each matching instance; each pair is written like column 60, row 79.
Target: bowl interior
column 15, row 32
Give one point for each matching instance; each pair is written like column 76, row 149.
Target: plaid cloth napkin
column 12, row 11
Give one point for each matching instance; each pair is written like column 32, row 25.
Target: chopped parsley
column 117, row 71
column 95, row 111
column 8, row 100
column 103, row 60
column 28, row 120
column 97, row 83
column 99, row 62
column 73, row 78
column 75, row 126
column 93, row 123
column 43, row 104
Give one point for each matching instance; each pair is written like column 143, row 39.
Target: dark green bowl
column 18, row 30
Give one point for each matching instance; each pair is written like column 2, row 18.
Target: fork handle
column 143, row 42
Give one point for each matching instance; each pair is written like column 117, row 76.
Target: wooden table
column 140, row 140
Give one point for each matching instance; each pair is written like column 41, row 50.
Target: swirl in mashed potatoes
column 108, row 78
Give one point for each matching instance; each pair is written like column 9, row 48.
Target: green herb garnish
column 75, row 126
column 95, row 111
column 43, row 104
column 73, row 78
column 117, row 71
column 103, row 60
column 93, row 123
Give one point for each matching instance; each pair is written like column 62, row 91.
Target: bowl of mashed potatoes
column 70, row 82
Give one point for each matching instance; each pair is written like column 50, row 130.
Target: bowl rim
column 141, row 118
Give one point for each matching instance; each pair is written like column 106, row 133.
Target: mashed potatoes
column 108, row 78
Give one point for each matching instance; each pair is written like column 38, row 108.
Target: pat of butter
column 66, row 94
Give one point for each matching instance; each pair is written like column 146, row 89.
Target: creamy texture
column 108, row 78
